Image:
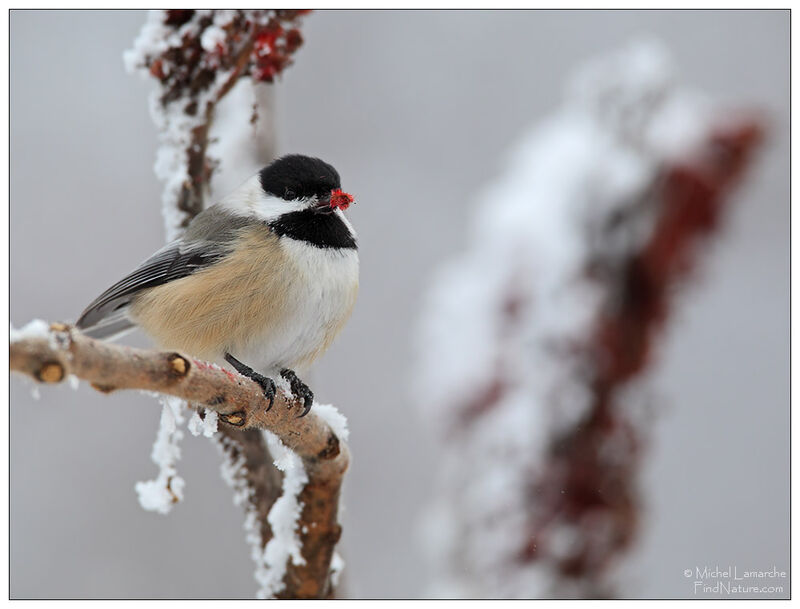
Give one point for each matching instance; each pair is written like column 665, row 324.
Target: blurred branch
column 536, row 336
column 240, row 403
column 590, row 472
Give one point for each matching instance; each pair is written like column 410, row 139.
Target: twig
column 241, row 406
column 198, row 56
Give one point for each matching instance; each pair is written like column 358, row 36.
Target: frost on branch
column 206, row 424
column 197, row 56
column 160, row 494
column 283, row 518
column 272, row 546
column 289, row 510
column 35, row 328
column 533, row 338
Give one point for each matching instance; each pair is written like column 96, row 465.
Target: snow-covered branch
column 534, row 337
column 311, row 454
column 197, row 57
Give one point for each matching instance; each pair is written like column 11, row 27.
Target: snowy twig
column 198, row 56
column 51, row 354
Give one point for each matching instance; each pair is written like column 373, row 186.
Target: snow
column 206, row 425
column 511, row 308
column 171, row 165
column 285, row 545
column 195, row 424
column 211, row 37
column 160, row 494
column 234, row 474
column 335, row 419
column 36, row 328
column 231, row 472
column 152, row 40
column 173, row 124
column 283, row 518
column 241, row 147
column 155, row 37
column 337, row 566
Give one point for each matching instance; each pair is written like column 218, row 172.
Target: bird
column 261, row 281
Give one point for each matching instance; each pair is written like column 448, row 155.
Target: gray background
column 416, row 110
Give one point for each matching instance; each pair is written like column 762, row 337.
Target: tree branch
column 51, row 356
column 197, row 58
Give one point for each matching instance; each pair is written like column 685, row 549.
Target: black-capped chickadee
column 263, row 280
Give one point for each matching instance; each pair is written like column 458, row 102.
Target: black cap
column 295, row 176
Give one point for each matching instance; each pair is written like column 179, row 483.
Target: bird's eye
column 289, row 194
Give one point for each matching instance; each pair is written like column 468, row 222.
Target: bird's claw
column 299, row 390
column 266, row 383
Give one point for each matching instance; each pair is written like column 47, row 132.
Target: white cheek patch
column 250, row 200
column 269, row 208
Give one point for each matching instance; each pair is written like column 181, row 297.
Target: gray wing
column 106, row 316
column 208, row 238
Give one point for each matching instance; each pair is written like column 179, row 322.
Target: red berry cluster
column 273, row 48
column 258, row 43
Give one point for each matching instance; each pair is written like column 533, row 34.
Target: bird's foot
column 266, row 383
column 299, row 389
